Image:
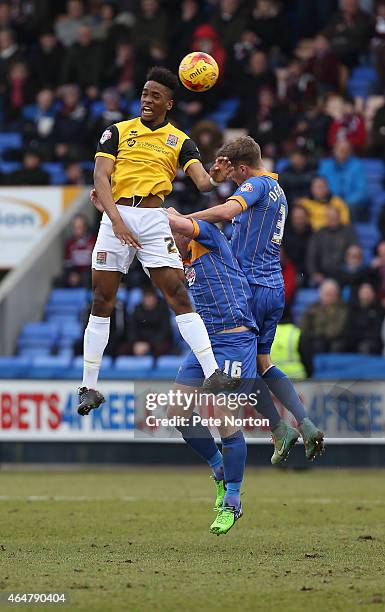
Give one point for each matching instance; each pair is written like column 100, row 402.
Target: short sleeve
column 249, row 193
column 109, row 143
column 189, row 154
column 206, row 233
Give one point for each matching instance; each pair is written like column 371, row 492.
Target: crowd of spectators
column 70, row 68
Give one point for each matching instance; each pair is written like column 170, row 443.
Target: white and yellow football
column 198, row 71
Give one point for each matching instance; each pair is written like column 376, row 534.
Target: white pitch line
column 38, row 498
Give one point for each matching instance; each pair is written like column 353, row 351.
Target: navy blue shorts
column 236, row 354
column 267, row 307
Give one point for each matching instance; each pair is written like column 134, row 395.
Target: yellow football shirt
column 146, row 159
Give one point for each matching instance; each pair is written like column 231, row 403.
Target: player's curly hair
column 242, row 150
column 163, row 76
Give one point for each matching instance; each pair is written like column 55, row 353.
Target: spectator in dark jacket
column 256, row 76
column 381, row 222
column 327, row 248
column 296, row 178
column 378, row 264
column 31, row 172
column 269, row 124
column 354, row 272
column 70, row 130
column 151, row 328
column 84, row 63
column 120, row 72
column 109, row 115
column 365, row 319
column 229, row 20
column 296, row 241
column 10, row 52
column 377, row 133
column 349, row 32
column 39, row 122
column 151, row 25
column 323, row 325
column 47, row 60
column 267, row 21
column 182, row 29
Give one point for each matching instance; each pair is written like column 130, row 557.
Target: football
column 198, row 71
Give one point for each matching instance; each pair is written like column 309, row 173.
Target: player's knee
column 263, row 363
column 102, row 304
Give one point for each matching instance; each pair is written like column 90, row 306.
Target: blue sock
column 283, row 389
column 199, row 438
column 265, row 405
column 234, row 452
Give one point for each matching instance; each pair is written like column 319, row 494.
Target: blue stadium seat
column 69, row 333
column 281, row 164
column 348, row 366
column 131, row 364
column 26, row 343
column 134, row 108
column 49, row 366
column 34, row 351
column 62, row 319
column 97, row 107
column 10, row 140
column 361, row 81
column 13, row 366
column 167, row 366
column 56, row 172
column 368, row 236
column 303, row 298
column 375, row 168
column 6, row 167
column 68, row 296
column 71, row 310
column 134, row 297
column 71, row 330
column 42, row 330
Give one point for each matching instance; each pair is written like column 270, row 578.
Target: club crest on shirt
column 107, row 134
column 190, row 276
column 101, row 257
column 172, row 140
column 247, row 187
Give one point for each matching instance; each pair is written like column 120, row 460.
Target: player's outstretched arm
column 181, row 225
column 222, row 212
column 103, row 170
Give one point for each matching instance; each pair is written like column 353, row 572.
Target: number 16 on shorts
column 233, row 368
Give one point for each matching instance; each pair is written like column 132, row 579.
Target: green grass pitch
column 137, row 539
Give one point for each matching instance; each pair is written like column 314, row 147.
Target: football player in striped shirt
column 258, row 209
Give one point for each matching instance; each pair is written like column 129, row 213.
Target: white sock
column 194, row 332
column 95, row 341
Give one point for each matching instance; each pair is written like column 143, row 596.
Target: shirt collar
column 265, row 173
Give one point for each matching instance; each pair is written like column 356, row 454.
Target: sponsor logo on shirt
column 247, row 187
column 190, row 276
column 172, row 140
column 107, row 134
column 101, row 257
column 131, row 142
